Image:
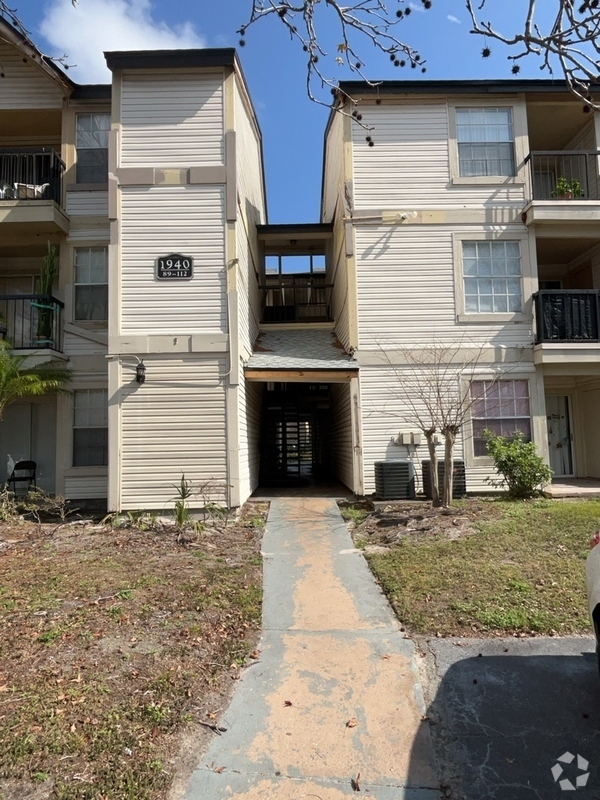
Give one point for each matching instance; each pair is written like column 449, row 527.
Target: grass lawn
column 117, row 644
column 492, row 567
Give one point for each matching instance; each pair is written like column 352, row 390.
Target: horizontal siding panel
column 409, row 165
column 384, row 415
column 175, row 423
column 405, row 280
column 87, row 204
column 89, row 235
column 23, row 85
column 248, row 291
column 172, row 219
column 342, row 453
column 334, row 168
column 81, row 346
column 171, row 121
column 249, row 163
column 249, row 398
column 86, row 488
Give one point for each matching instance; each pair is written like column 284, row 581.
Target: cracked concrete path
column 331, row 652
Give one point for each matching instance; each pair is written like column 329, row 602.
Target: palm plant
column 18, row 380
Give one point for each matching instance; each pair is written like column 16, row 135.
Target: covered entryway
column 308, row 409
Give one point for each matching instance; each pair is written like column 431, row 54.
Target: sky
column 292, row 126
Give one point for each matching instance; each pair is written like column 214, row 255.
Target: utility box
column 459, row 485
column 406, row 438
column 395, row 480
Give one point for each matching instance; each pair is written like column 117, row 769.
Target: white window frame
column 75, row 427
column 520, row 143
column 536, row 410
column 96, row 323
column 527, row 279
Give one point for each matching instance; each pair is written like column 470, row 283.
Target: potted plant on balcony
column 567, row 190
column 45, row 284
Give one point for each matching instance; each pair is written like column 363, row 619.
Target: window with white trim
column 90, row 428
column 485, row 138
column 502, row 407
column 492, row 277
column 91, row 141
column 91, row 284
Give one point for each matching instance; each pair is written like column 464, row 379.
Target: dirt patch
column 120, row 649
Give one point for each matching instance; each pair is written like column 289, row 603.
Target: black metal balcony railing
column 30, row 174
column 567, row 316
column 565, row 174
column 31, row 321
column 296, row 298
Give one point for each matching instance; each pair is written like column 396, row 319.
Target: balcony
column 30, row 192
column 31, row 321
column 567, row 326
column 565, row 187
column 296, row 299
column 30, row 174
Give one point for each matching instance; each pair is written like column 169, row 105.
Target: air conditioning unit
column 395, row 480
column 459, row 480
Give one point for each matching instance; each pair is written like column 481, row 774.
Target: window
column 91, row 284
column 492, row 277
column 91, row 141
column 485, row 138
column 502, row 407
column 90, row 428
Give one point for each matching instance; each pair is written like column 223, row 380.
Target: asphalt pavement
column 515, row 719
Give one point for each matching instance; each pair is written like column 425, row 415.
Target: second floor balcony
column 31, row 321
column 30, row 174
column 567, row 326
column 296, row 298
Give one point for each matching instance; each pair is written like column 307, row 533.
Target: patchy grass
column 491, row 567
column 116, row 643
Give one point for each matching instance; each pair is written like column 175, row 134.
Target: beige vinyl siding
column 171, row 425
column 250, row 396
column 87, row 204
column 248, row 291
column 23, row 84
column 75, row 345
column 249, row 162
column 171, row 120
column 409, row 165
column 172, row 219
column 97, row 235
column 405, row 280
column 340, row 299
column 384, row 415
column 89, row 487
column 341, row 433
column 333, row 186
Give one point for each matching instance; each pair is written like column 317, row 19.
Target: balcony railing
column 296, row 298
column 31, row 321
column 30, row 174
column 567, row 316
column 565, row 174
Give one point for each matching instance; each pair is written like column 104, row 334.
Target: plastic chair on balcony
column 44, row 336
column 23, row 474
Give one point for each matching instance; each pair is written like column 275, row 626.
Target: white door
column 559, row 435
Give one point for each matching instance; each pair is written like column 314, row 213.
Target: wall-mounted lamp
column 140, row 372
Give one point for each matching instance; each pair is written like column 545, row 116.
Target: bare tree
column 567, row 44
column 433, row 392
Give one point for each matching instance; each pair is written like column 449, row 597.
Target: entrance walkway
column 336, row 690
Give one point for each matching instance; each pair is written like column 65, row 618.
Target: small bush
column 517, row 461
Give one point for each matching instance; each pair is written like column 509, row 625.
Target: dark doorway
column 295, row 447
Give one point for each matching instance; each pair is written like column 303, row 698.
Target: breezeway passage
column 331, row 653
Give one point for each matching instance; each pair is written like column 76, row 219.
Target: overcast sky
column 292, row 126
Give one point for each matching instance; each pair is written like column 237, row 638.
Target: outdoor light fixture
column 140, row 372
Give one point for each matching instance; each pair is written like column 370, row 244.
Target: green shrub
column 522, row 469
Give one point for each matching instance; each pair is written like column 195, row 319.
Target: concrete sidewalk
column 331, row 653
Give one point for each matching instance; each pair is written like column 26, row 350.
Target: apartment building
column 206, row 342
